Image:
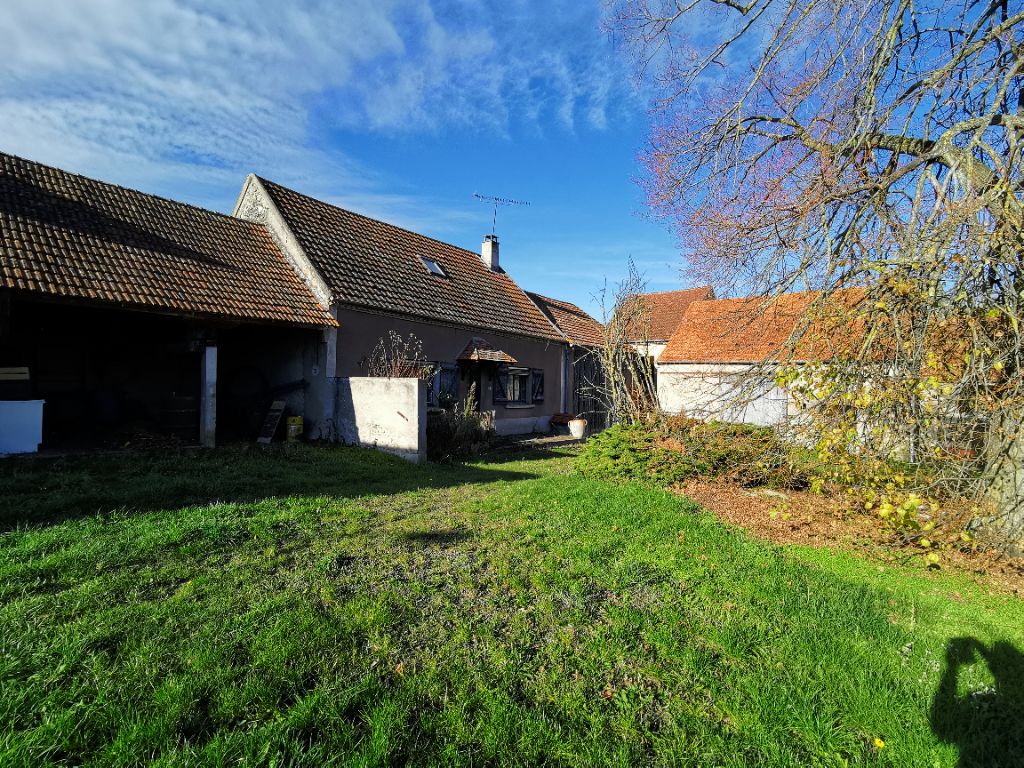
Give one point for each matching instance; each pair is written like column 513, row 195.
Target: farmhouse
column 720, row 361
column 478, row 328
column 124, row 314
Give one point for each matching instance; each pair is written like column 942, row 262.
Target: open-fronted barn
column 124, row 315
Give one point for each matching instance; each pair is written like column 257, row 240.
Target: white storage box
column 21, row 426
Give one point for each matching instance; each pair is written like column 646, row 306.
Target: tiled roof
column 577, row 325
column 65, row 235
column 751, row 330
column 663, row 311
column 479, row 350
column 370, row 264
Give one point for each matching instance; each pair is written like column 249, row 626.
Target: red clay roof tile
column 371, row 264
column 577, row 326
column 663, row 311
column 479, row 350
column 67, row 235
column 753, row 329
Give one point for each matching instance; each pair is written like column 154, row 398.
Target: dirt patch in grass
column 814, row 520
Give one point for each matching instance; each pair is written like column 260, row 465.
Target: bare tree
column 627, row 387
column 399, row 357
column 828, row 144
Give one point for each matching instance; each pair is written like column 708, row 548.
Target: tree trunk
column 1006, row 489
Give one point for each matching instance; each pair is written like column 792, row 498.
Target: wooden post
column 208, row 397
column 564, row 377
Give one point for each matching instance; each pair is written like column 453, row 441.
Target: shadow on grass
column 437, row 538
column 508, row 455
column 986, row 724
column 48, row 491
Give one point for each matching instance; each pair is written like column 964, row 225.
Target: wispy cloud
column 184, row 97
column 494, row 66
column 171, row 96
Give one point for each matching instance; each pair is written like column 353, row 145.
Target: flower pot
column 577, row 428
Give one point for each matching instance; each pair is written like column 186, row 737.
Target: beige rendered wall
column 359, row 332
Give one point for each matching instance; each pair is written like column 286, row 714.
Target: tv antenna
column 496, row 201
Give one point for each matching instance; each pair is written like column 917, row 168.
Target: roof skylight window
column 433, row 267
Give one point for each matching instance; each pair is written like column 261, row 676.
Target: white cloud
column 184, row 97
column 493, row 66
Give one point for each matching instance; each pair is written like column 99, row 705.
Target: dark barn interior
column 113, row 377
column 115, row 307
column 258, row 364
column 108, row 376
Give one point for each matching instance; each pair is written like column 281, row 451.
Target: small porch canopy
column 480, row 350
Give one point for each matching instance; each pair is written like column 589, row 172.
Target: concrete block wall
column 387, row 414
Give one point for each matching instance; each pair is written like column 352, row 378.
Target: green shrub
column 668, row 451
column 632, row 452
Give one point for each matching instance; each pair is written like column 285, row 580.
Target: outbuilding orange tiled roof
column 64, row 235
column 663, row 311
column 753, row 329
column 374, row 265
column 578, row 327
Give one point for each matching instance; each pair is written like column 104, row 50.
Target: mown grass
column 336, row 606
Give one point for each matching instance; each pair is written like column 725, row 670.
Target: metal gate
column 588, row 383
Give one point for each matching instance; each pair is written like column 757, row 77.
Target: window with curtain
column 518, row 386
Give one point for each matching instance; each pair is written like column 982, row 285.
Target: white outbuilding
column 721, row 360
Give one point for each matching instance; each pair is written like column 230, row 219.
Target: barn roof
column 662, row 312
column 68, row 236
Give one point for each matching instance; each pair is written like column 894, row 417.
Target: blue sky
column 400, row 110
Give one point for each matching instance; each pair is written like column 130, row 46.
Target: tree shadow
column 35, row 491
column 441, row 538
column 987, row 725
column 504, row 454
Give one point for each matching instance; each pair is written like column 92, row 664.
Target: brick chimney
column 489, row 252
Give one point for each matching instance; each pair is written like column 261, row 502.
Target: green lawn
column 324, row 605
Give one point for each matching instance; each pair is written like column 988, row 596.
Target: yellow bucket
column 294, row 429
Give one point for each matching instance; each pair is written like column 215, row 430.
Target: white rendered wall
column 716, row 391
column 652, row 349
column 382, row 413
